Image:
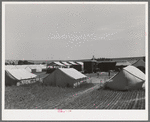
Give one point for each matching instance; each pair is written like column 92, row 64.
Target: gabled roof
column 66, row 63
column 72, row 63
column 72, row 73
column 21, row 74
column 58, row 63
column 81, row 63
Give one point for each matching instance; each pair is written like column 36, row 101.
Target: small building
column 90, row 66
column 105, row 66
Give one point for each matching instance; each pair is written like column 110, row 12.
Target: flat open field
column 88, row 96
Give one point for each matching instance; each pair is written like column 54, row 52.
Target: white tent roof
column 10, row 67
column 73, row 73
column 66, row 63
column 72, row 63
column 42, row 66
column 21, row 74
column 81, row 63
column 21, row 66
column 58, row 63
column 135, row 71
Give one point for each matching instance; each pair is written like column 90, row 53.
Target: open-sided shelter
column 51, row 67
column 75, row 65
column 64, row 77
column 66, row 64
column 81, row 64
column 128, row 78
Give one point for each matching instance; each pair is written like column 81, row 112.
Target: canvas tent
column 31, row 69
column 10, row 67
column 140, row 64
column 21, row 66
column 64, row 77
column 38, row 69
column 13, row 76
column 128, row 78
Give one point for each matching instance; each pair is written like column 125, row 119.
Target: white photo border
column 47, row 115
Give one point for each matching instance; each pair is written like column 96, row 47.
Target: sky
column 74, row 31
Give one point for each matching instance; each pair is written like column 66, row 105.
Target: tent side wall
column 118, row 82
column 50, row 79
column 9, row 79
column 63, row 79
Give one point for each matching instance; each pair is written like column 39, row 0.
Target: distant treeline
column 20, row 62
column 103, row 59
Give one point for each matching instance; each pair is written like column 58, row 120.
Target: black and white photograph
column 75, row 60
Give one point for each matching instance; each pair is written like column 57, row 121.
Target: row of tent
column 64, row 77
column 129, row 78
column 29, row 68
